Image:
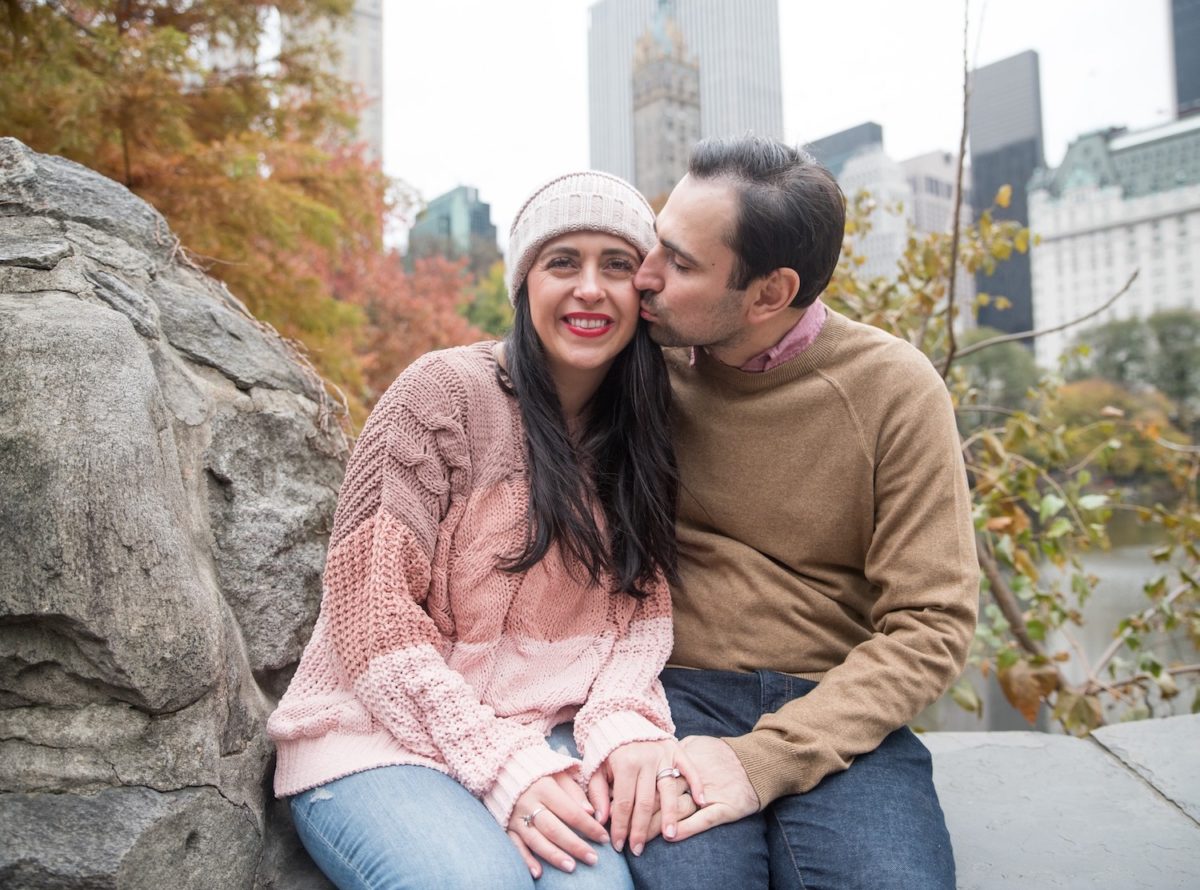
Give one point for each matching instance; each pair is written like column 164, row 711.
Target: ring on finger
column 671, row 772
column 529, row 817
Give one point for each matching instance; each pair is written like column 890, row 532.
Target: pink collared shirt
column 795, row 341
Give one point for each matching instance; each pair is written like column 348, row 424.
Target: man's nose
column 649, row 274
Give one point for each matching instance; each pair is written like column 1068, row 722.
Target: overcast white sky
column 493, row 93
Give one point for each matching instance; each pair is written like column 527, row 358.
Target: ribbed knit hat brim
column 587, row 201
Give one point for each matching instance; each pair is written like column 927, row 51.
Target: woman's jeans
column 399, row 827
column 876, row 825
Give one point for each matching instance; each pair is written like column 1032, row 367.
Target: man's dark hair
column 791, row 212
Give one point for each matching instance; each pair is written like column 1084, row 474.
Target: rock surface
column 168, row 474
column 1028, row 809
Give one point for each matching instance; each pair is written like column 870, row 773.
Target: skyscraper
column 456, row 224
column 357, row 43
column 834, row 150
column 666, row 106
column 736, row 47
column 1185, row 48
column 1005, row 129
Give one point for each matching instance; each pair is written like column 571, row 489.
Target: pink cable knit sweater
column 425, row 652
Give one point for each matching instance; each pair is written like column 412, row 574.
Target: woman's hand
column 542, row 823
column 650, row 778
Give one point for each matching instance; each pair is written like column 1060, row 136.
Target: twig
column 954, row 235
column 1074, row 644
column 1115, row 646
column 1006, row 600
column 1138, row 679
column 1026, row 335
column 1053, row 484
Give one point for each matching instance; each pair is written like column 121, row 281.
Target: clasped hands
column 638, row 790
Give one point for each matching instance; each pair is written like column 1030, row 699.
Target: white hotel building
column 1119, row 201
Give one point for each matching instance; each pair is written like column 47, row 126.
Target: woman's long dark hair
column 623, row 461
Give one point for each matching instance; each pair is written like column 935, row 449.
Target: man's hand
column 729, row 796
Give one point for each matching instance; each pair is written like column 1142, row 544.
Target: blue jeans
column 400, row 827
column 876, row 825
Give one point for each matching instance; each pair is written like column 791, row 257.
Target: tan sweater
column 825, row 531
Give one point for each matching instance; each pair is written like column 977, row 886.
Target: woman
column 496, row 574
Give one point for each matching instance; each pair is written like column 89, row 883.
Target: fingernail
column 604, row 840
column 637, row 851
column 669, row 831
column 617, row 845
column 591, row 858
column 568, row 865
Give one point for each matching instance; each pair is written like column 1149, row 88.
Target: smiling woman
column 584, row 307
column 484, row 673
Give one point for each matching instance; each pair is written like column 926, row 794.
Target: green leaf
column 1051, row 504
column 965, row 696
column 1161, row 554
column 1060, row 527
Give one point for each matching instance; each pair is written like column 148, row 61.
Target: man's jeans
column 398, row 827
column 876, row 825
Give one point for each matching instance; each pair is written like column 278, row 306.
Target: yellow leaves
column 1021, row 241
column 1025, row 565
column 1025, row 686
column 1004, row 196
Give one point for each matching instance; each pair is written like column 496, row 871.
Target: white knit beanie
column 589, row 201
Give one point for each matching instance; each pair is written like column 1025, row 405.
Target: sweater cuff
column 770, row 765
column 611, row 732
column 521, row 770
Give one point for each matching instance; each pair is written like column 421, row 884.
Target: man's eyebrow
column 676, row 249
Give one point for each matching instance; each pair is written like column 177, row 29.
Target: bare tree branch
column 958, row 178
column 1006, row 600
column 1115, row 646
column 1138, row 679
column 1025, row 335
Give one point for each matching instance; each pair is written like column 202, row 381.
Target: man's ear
column 775, row 291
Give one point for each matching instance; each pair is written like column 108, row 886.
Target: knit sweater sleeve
column 397, row 491
column 922, row 562
column 627, row 702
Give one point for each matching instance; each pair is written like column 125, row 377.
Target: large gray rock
column 1029, row 809
column 1166, row 753
column 168, row 473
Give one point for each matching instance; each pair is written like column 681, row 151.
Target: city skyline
column 528, row 119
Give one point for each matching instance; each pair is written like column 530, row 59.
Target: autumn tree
column 242, row 140
column 487, row 306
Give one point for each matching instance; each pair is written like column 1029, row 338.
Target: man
column 829, row 582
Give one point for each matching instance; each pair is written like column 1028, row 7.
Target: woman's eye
column 623, row 267
column 559, row 262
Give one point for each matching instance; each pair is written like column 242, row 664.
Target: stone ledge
column 1120, row 809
